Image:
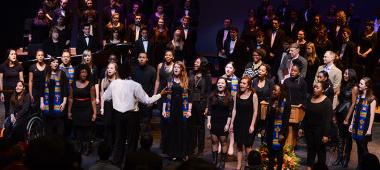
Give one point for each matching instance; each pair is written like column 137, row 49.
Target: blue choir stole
column 57, row 96
column 359, row 126
column 185, row 101
column 234, row 85
column 278, row 126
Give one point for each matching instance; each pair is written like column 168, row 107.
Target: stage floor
column 374, row 147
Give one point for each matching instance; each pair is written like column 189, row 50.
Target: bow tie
column 144, row 40
column 86, row 36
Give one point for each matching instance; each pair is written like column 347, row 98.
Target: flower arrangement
column 291, row 161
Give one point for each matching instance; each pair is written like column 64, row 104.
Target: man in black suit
column 275, row 38
column 144, row 45
column 293, row 25
column 346, row 50
column 308, row 13
column 86, row 41
column 236, row 50
column 222, row 35
column 190, row 37
column 134, row 30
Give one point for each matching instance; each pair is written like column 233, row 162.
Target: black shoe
column 222, row 161
column 215, row 158
column 345, row 163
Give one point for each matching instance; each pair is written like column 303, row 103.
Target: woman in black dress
column 347, row 98
column 106, row 106
column 232, row 84
column 53, row 101
column 82, row 107
column 318, row 112
column 177, row 45
column 177, row 109
column 277, row 120
column 93, row 77
column 218, row 120
column 263, row 87
column 11, row 71
column 363, row 117
column 244, row 117
column 160, row 38
column 365, row 51
column 322, row 42
column 199, row 90
column 313, row 63
column 15, row 124
column 164, row 74
column 37, row 73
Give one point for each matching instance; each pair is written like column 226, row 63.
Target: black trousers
column 344, row 140
column 127, row 134
column 54, row 125
column 7, row 102
column 145, row 116
column 315, row 146
column 197, row 127
column 362, row 148
column 109, row 124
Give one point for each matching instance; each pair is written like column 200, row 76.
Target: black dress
column 242, row 122
column 82, row 106
column 219, row 112
column 178, row 138
column 38, row 84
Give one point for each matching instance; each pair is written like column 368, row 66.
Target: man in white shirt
column 125, row 95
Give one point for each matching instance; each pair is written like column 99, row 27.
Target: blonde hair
column 313, row 56
column 106, row 80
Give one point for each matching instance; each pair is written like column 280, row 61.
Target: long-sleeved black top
column 199, row 88
column 146, row 76
column 297, row 89
column 318, row 116
column 20, row 109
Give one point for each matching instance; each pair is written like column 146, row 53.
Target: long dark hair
column 48, row 73
column 369, row 84
column 352, row 78
column 14, row 98
column 7, row 61
column 227, row 94
column 204, row 66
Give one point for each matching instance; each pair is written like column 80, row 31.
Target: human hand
column 62, row 106
column 93, row 117
column 251, row 129
column 70, row 115
column 226, row 127
column 209, row 125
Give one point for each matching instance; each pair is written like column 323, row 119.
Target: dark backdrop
column 14, row 12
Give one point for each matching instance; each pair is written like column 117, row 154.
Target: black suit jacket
column 349, row 56
column 239, row 55
column 219, row 39
column 139, row 47
column 189, row 45
column 82, row 45
column 277, row 44
column 131, row 32
column 297, row 26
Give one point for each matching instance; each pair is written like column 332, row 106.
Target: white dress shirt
column 126, row 94
column 232, row 46
column 137, row 33
column 145, row 43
